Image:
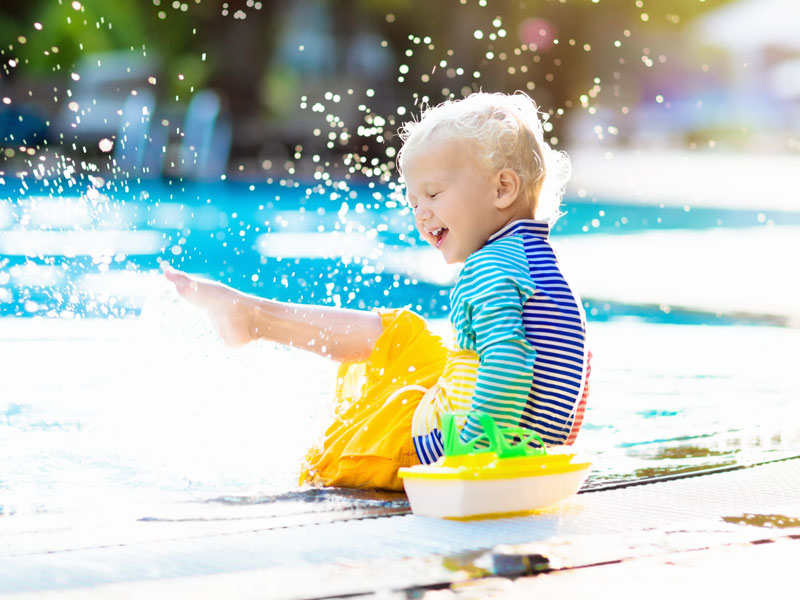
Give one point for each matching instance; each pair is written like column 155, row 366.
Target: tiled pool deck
column 320, row 544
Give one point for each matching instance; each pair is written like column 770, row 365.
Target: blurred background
column 197, row 131
column 688, row 74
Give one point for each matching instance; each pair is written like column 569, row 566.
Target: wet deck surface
column 324, row 543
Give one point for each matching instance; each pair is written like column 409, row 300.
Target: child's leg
column 338, row 333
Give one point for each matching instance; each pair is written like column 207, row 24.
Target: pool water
column 115, row 394
column 75, row 249
column 109, row 414
column 671, row 399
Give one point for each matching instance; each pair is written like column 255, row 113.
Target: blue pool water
column 354, row 246
column 114, row 393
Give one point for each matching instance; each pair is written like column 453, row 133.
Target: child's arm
column 338, row 333
column 492, row 291
column 505, row 373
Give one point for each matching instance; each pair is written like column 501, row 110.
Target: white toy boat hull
column 454, row 498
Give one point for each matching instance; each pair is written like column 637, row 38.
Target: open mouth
column 439, row 235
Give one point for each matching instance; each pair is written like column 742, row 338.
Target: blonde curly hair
column 504, row 131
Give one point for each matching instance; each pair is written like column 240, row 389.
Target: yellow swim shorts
column 370, row 437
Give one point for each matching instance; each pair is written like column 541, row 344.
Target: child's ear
column 508, row 185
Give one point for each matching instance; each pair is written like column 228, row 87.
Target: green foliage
column 70, row 31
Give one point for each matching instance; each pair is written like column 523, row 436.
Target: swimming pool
column 88, row 249
column 115, row 395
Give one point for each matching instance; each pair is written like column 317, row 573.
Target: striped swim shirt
column 513, row 308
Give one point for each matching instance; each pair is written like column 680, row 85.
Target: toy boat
column 504, row 477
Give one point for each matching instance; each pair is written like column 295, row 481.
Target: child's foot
column 223, row 304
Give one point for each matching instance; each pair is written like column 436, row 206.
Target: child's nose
column 422, row 212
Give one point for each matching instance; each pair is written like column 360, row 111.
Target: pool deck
column 736, row 531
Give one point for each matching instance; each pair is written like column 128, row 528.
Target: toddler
column 484, row 187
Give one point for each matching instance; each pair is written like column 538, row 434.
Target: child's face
column 453, row 199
